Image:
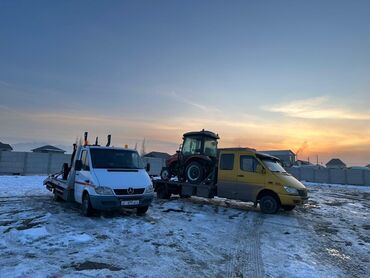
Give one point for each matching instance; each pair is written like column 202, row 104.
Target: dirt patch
column 89, row 265
column 335, row 203
column 7, row 223
column 320, row 229
column 28, row 223
column 173, row 210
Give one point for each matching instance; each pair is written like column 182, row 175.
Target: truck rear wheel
column 56, row 197
column 165, row 174
column 269, row 204
column 142, row 210
column 163, row 194
column 194, row 172
column 86, row 207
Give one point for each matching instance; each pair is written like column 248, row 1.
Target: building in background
column 157, row 161
column 5, row 147
column 303, row 163
column 157, row 155
column 287, row 157
column 48, row 149
column 336, row 163
column 368, row 166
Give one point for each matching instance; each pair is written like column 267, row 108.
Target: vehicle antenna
column 85, row 138
column 108, row 141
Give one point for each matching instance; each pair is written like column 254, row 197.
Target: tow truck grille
column 302, row 192
column 124, row 191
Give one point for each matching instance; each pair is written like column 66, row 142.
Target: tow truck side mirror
column 147, row 168
column 78, row 165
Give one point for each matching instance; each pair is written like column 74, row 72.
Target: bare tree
column 143, row 152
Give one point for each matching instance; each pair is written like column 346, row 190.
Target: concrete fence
column 333, row 176
column 28, row 163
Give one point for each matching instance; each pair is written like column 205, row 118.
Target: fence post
column 49, row 164
column 363, row 177
column 25, row 161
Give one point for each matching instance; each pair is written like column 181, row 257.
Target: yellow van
column 247, row 175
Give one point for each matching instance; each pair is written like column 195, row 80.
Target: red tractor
column 196, row 160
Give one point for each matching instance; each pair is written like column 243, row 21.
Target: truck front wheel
column 269, row 204
column 87, row 209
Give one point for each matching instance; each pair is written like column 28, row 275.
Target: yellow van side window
column 227, row 161
column 248, row 163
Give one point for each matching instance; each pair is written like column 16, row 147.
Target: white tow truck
column 103, row 178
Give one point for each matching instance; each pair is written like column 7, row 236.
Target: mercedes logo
column 130, row 190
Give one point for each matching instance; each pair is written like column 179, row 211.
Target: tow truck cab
column 108, row 178
column 247, row 175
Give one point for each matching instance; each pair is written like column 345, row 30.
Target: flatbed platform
column 61, row 188
column 165, row 189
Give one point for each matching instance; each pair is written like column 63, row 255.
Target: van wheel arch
column 267, row 194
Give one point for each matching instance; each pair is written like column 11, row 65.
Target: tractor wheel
column 194, row 172
column 165, row 174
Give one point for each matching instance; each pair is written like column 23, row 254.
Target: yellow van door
column 250, row 177
column 227, row 181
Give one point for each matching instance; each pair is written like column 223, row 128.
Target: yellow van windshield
column 273, row 165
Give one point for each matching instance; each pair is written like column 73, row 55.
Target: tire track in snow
column 245, row 257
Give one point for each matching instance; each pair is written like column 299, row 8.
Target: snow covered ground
column 328, row 237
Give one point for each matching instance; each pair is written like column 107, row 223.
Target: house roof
column 48, row 148
column 5, row 147
column 335, row 162
column 157, row 155
column 277, row 152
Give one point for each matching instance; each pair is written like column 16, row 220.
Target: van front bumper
column 114, row 202
column 292, row 200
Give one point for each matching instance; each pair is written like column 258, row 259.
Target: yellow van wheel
column 269, row 204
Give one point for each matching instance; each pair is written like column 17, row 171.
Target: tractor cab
column 196, row 158
column 200, row 143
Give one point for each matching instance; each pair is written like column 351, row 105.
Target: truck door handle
column 87, row 181
column 240, row 176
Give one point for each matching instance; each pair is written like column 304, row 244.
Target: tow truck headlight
column 103, row 190
column 149, row 189
column 291, row 190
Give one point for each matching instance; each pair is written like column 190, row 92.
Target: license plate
column 130, row 203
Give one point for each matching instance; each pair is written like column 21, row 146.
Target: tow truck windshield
column 115, row 159
column 273, row 165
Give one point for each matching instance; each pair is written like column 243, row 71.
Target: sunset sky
column 263, row 74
